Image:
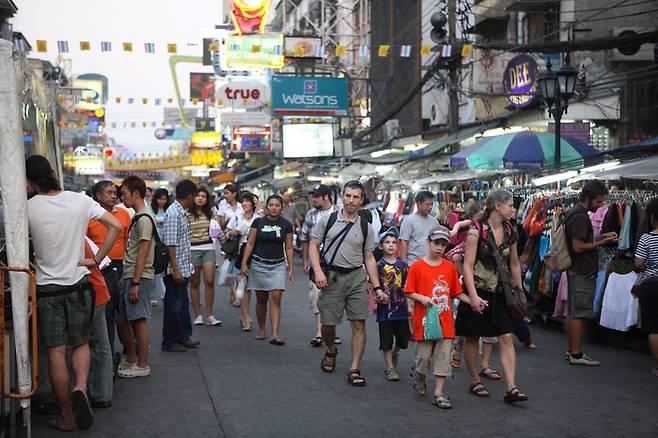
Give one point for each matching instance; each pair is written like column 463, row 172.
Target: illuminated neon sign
column 249, row 16
column 253, row 51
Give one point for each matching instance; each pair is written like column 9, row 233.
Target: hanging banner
column 206, row 140
column 302, row 47
column 307, row 95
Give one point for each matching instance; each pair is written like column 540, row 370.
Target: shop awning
column 645, row 169
column 462, row 134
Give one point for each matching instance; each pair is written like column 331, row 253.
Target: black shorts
column 494, row 321
column 648, row 295
column 398, row 329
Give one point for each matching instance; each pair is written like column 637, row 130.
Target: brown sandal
column 355, row 378
column 328, row 363
column 479, row 390
column 490, row 373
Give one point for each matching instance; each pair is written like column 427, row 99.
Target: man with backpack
column 584, row 267
column 347, row 241
column 137, row 281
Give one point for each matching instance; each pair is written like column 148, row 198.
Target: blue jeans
column 101, row 370
column 177, row 323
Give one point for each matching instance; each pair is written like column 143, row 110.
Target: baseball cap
column 390, row 232
column 321, row 190
column 439, row 232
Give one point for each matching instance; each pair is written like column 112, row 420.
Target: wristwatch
column 134, row 283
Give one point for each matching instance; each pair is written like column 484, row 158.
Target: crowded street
column 316, row 218
column 234, row 386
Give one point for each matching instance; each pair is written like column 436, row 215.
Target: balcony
column 491, row 17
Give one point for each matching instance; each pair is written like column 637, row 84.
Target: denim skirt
column 267, row 277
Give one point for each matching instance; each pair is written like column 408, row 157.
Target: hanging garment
column 619, row 303
column 544, row 244
column 625, row 233
column 635, row 220
column 561, row 298
column 597, row 219
column 598, row 293
column 612, row 221
column 376, row 221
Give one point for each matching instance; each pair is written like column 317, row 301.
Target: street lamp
column 556, row 89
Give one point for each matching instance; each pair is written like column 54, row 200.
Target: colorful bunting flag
column 117, row 99
column 106, row 46
column 145, row 100
column 42, row 46
column 172, row 48
column 405, row 51
column 363, row 51
column 446, row 51
column 133, row 124
column 158, row 101
column 127, row 47
column 425, row 49
column 467, row 49
column 255, row 48
column 341, row 50
column 299, row 51
column 63, row 46
column 149, row 47
column 382, row 52
column 214, row 47
column 170, row 100
column 195, row 101
column 319, row 53
column 278, row 50
column 131, row 100
column 85, row 46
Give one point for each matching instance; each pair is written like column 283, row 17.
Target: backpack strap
column 364, row 231
column 136, row 218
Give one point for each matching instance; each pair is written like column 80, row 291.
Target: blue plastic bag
column 433, row 330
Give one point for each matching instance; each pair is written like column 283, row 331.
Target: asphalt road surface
column 236, row 386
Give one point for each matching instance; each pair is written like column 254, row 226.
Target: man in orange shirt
column 106, row 194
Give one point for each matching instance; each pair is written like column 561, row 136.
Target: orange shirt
column 97, row 280
column 97, row 231
column 441, row 283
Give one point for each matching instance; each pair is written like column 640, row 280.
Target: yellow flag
column 213, row 47
column 299, row 51
column 255, row 48
column 341, row 50
column 195, row 101
column 89, row 99
column 467, row 49
column 383, row 50
column 127, row 47
column 170, row 100
column 42, row 46
column 85, row 46
column 171, row 48
column 61, row 99
column 117, row 99
column 144, row 124
column 425, row 49
column 145, row 100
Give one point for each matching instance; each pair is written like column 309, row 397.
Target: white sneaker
column 125, row 365
column 135, row 371
column 584, row 360
column 212, row 321
column 198, row 320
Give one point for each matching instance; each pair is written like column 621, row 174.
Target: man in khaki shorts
column 347, row 248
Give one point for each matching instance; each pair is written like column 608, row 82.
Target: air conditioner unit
column 391, row 129
column 632, row 52
column 436, row 116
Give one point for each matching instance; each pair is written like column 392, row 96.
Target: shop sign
column 249, row 16
column 221, row 177
column 204, row 124
column 520, row 80
column 205, row 140
column 578, row 130
column 308, row 95
column 91, row 97
column 254, row 139
column 242, row 94
column 258, row 118
column 253, row 51
column 488, row 69
column 302, row 47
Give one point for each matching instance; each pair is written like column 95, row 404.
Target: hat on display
column 390, row 232
column 321, row 190
column 439, row 233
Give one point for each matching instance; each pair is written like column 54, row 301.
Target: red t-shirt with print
column 441, row 283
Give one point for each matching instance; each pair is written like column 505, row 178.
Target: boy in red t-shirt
column 434, row 281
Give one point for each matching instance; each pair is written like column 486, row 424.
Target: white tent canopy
column 644, row 168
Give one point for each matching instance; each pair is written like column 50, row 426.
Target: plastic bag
column 432, row 324
column 215, row 230
column 223, row 272
column 239, row 290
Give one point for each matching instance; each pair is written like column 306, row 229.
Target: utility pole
column 453, row 117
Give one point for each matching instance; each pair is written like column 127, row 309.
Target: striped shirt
column 177, row 233
column 199, row 231
column 647, row 250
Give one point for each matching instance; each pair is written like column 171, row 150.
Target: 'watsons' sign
column 520, row 80
column 308, row 95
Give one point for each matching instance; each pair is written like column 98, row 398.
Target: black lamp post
column 554, row 88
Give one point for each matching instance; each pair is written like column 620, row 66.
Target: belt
column 267, row 261
column 341, row 270
column 56, row 290
column 205, row 242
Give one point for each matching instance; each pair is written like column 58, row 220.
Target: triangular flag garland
column 172, row 48
column 106, row 46
column 42, row 46
column 405, row 51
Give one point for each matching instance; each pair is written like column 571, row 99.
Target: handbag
column 514, row 296
column 432, row 331
column 231, row 246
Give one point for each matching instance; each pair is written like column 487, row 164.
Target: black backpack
column 160, row 253
column 366, row 219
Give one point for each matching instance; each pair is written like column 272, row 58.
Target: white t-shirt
column 58, row 225
column 415, row 229
column 242, row 225
column 227, row 212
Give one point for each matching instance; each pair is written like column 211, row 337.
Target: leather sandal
column 328, row 363
column 355, row 378
column 490, row 373
column 514, row 395
column 479, row 390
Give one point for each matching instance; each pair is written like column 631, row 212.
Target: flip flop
column 277, row 342
column 259, row 338
column 316, row 341
column 84, row 417
column 56, row 425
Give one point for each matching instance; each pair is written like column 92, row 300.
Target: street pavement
column 236, row 386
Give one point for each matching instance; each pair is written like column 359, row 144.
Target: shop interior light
column 603, row 166
column 554, row 178
column 382, row 153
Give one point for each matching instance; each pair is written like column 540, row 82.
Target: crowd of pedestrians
column 102, row 264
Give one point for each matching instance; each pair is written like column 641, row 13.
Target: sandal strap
column 330, row 354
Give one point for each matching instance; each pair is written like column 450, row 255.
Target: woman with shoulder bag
column 646, row 288
column 491, row 260
column 204, row 258
column 268, row 248
column 239, row 227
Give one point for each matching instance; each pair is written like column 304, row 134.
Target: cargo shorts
column 580, row 300
column 346, row 294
